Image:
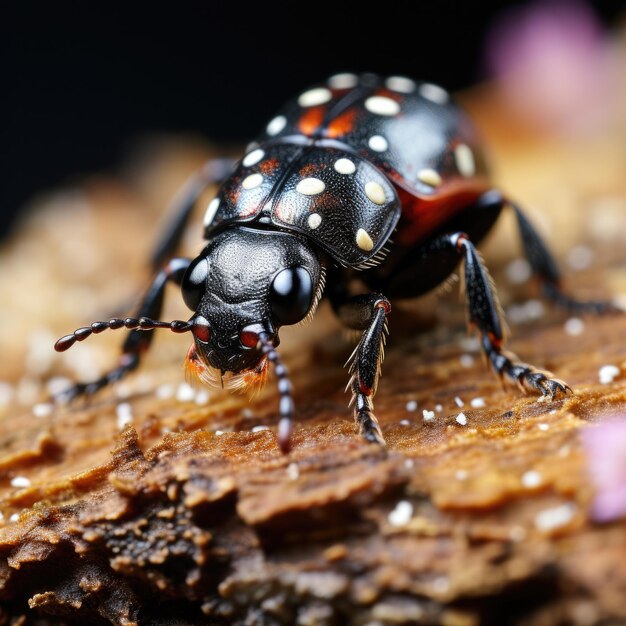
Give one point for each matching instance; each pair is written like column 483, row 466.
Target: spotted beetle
column 343, row 168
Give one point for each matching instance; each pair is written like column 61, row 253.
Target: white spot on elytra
column 310, row 186
column 401, row 84
column 252, row 181
column 401, row 514
column 276, row 125
column 459, row 402
column 608, row 373
column 319, row 95
column 211, row 210
column 344, row 166
column 21, row 482
column 381, row 105
column 434, row 93
column 429, row 177
column 363, row 240
column 461, row 419
column 258, row 429
column 477, row 403
column 343, row 81
column 411, row 405
column 314, row 221
column 464, row 160
column 375, row 192
column 378, row 143
column 253, row 157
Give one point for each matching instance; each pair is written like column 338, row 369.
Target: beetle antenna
column 286, row 407
column 130, row 323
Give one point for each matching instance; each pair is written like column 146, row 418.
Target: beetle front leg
column 485, row 314
column 138, row 341
column 367, row 312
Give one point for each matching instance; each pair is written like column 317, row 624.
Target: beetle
column 316, row 200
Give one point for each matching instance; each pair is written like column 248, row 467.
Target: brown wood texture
column 158, row 503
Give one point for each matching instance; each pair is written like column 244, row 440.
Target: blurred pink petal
column 605, row 446
column 556, row 67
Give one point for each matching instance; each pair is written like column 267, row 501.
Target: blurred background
column 83, row 85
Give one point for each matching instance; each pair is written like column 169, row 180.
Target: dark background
column 81, row 82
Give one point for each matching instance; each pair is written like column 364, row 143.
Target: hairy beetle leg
column 485, row 314
column 545, row 268
column 367, row 312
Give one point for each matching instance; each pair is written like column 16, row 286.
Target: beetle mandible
column 343, row 168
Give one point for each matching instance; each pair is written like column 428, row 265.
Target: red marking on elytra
column 341, row 125
column 268, row 166
column 311, row 120
column 308, row 169
column 232, row 195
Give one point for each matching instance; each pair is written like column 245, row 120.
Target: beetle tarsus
column 369, row 428
column 529, row 378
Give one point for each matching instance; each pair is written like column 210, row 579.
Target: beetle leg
column 367, row 312
column 486, row 315
column 137, row 341
column 545, row 268
column 182, row 206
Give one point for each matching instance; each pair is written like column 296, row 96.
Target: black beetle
column 335, row 174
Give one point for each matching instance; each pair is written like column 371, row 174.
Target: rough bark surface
column 157, row 504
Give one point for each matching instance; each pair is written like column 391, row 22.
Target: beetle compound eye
column 201, row 329
column 194, row 282
column 249, row 338
column 291, row 295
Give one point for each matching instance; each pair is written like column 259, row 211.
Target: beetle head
column 247, row 283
